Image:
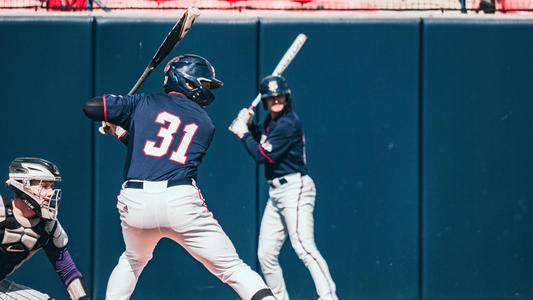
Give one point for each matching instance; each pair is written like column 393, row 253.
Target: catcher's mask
column 272, row 86
column 193, row 76
column 32, row 180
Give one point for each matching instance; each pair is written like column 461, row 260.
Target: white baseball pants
column 178, row 213
column 289, row 212
column 13, row 291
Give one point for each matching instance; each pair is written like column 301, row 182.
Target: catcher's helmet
column 193, row 76
column 24, row 170
column 272, row 86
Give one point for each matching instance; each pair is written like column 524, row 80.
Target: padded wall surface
column 46, row 76
column 477, row 164
column 355, row 87
column 378, row 113
column 124, row 48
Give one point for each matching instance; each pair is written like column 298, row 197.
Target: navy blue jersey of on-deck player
column 169, row 134
column 279, row 143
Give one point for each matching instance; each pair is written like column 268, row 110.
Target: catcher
column 28, row 222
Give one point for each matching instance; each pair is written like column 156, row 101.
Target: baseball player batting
column 279, row 143
column 28, row 222
column 169, row 134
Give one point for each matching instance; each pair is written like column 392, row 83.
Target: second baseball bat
column 287, row 58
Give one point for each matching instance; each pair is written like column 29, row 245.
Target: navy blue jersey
column 168, row 134
column 279, row 143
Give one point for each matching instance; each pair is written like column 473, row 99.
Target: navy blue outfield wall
column 477, row 142
column 418, row 134
column 46, row 75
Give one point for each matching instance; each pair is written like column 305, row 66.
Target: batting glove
column 239, row 128
column 246, row 115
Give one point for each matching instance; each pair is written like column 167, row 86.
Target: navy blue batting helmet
column 272, row 86
column 193, row 76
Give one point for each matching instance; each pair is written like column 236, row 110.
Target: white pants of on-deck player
column 289, row 212
column 178, row 213
column 10, row 290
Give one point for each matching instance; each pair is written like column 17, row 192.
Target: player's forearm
column 252, row 147
column 67, row 271
column 65, row 266
column 255, row 131
column 124, row 138
column 77, row 289
column 95, row 109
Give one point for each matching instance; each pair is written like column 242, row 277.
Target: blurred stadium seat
column 67, row 4
column 322, row 5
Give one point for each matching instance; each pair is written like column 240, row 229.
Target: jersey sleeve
column 59, row 236
column 119, row 109
column 255, row 131
column 59, row 257
column 276, row 144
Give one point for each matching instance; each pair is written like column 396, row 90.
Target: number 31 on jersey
column 167, row 134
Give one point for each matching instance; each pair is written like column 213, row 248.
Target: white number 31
column 167, row 134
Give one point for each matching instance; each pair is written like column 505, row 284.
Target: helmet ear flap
column 206, row 97
column 20, row 189
column 288, row 99
column 18, row 193
column 194, row 91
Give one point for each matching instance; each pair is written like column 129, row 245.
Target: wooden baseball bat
column 285, row 61
column 176, row 34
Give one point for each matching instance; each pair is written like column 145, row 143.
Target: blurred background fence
column 488, row 6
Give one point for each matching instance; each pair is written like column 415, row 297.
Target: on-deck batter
column 279, row 143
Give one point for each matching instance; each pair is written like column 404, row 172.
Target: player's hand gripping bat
column 175, row 35
column 280, row 68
